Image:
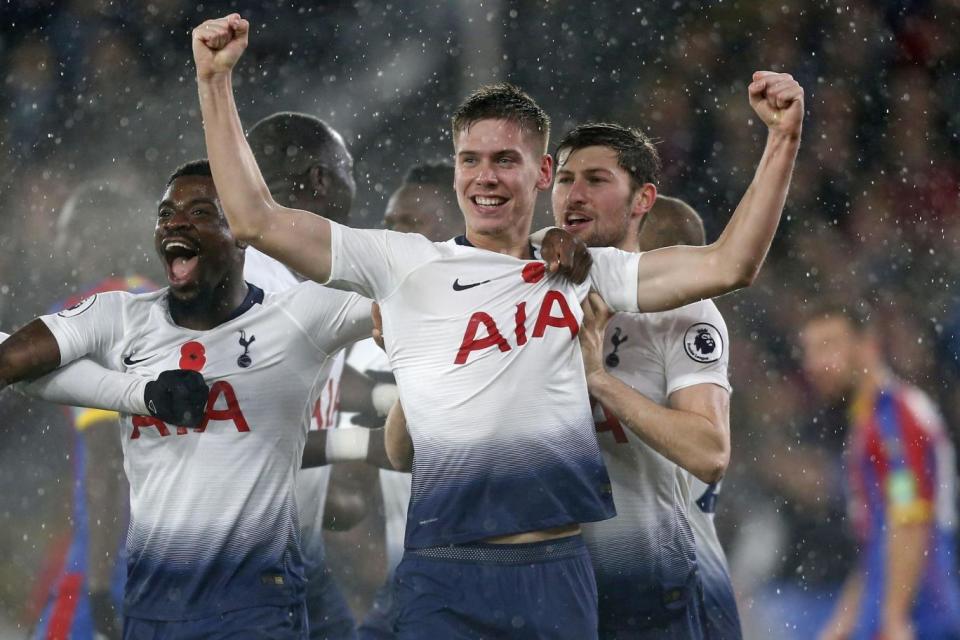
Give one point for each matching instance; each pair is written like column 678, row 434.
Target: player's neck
column 509, row 243
column 209, row 310
column 629, row 243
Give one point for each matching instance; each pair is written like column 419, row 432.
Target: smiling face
column 193, row 239
column 499, row 171
column 594, row 198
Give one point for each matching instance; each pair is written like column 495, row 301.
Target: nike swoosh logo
column 127, row 360
column 461, row 287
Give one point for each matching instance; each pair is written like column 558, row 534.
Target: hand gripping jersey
column 213, row 524
column 645, row 559
column 484, row 349
column 902, row 470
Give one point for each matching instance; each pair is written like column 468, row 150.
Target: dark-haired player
column 662, row 395
column 213, row 546
column 481, row 339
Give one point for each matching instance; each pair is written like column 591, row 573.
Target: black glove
column 178, row 397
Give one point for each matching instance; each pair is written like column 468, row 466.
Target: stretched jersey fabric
column 312, row 484
column 213, row 524
column 484, row 350
column 66, row 613
column 645, row 559
column 902, row 470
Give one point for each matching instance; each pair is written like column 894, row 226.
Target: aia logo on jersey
column 703, row 343
column 553, row 312
column 220, row 393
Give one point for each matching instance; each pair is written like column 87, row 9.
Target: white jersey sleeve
column 93, row 327
column 330, row 319
column 374, row 262
column 85, row 383
column 614, row 276
column 696, row 347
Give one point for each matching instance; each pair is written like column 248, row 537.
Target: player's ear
column 643, row 200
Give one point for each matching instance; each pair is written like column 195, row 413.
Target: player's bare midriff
column 565, row 531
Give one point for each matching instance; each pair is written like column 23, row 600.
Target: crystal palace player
column 481, row 340
column 902, row 487
column 213, row 545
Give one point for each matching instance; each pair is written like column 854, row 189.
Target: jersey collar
column 463, row 242
column 254, row 296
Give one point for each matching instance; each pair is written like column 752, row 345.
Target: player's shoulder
column 920, row 405
column 125, row 300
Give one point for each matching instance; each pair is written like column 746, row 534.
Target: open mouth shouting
column 181, row 256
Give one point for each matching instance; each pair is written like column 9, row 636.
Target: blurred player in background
column 662, row 397
column 901, row 478
column 426, row 204
column 99, row 247
column 307, row 165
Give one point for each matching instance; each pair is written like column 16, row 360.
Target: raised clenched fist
column 218, row 44
column 778, row 100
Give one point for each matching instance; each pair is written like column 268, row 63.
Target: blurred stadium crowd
column 101, row 93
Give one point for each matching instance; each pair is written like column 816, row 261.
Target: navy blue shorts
column 276, row 623
column 327, row 610
column 379, row 621
column 542, row 590
column 689, row 623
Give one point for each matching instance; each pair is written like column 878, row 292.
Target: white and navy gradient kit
column 213, row 524
column 645, row 559
column 491, row 379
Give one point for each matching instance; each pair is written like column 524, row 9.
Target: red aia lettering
column 148, row 421
column 232, row 412
column 565, row 319
column 218, row 390
column 610, row 423
column 545, row 318
column 520, row 320
column 472, row 343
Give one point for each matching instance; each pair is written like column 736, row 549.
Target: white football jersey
column 312, row 484
column 483, row 346
column 645, row 558
column 213, row 523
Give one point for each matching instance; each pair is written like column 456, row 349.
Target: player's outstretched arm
column 177, row 397
column 299, row 239
column 694, row 432
column 28, row 353
column 675, row 276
